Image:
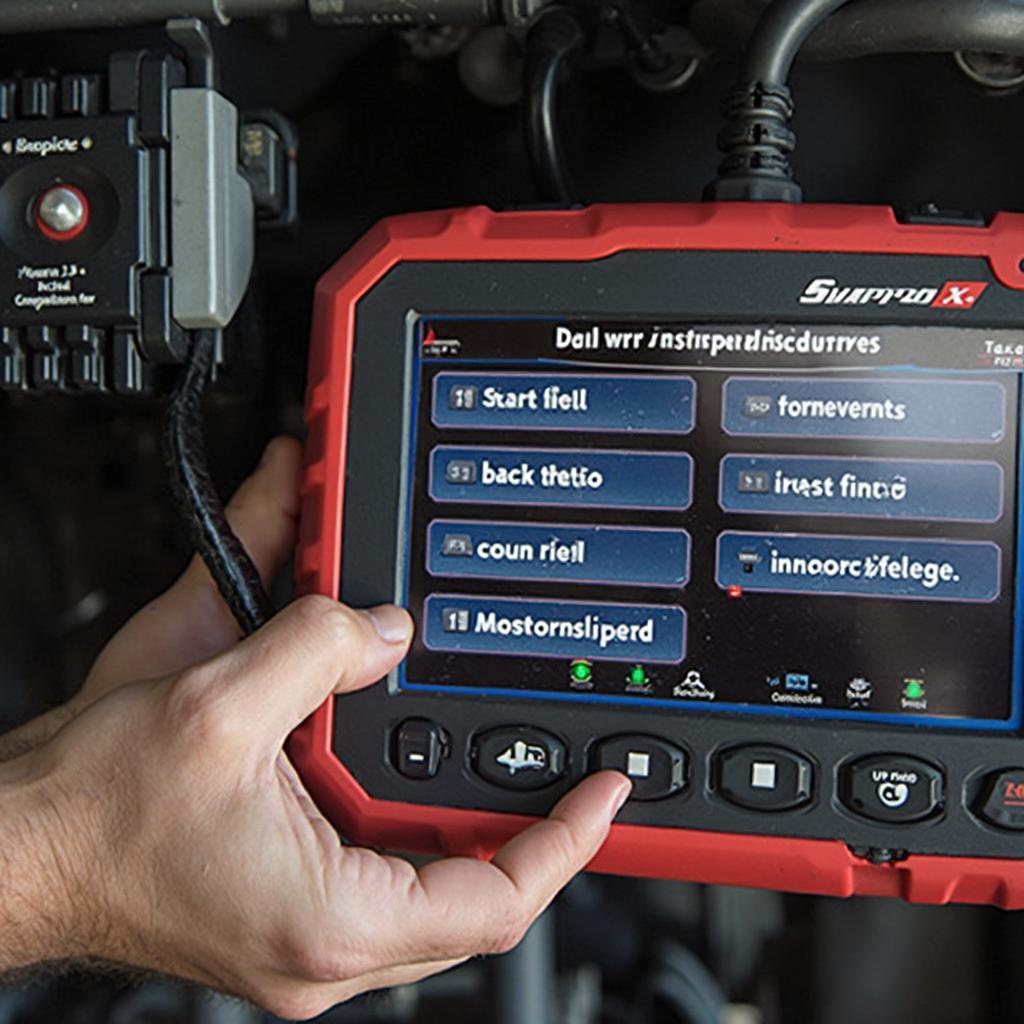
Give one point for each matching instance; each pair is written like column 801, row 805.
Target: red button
column 62, row 213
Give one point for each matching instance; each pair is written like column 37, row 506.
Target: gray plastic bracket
column 213, row 218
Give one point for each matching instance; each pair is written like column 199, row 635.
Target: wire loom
column 198, row 503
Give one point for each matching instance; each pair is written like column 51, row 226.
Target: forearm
column 39, row 914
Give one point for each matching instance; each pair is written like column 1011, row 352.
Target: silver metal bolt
column 62, row 210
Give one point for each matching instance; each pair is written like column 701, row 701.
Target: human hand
column 169, row 831
column 189, row 622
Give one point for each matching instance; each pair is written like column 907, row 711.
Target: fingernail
column 622, row 796
column 392, row 624
column 266, row 452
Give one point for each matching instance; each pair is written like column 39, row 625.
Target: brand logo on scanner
column 22, row 146
column 435, row 346
column 827, row 291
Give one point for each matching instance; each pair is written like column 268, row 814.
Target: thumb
column 315, row 647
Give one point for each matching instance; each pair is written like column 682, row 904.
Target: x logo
column 959, row 294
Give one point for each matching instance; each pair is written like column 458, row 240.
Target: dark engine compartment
column 387, row 125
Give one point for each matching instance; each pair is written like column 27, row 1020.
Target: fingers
column 462, row 907
column 278, row 676
column 190, row 622
column 540, row 861
column 264, row 511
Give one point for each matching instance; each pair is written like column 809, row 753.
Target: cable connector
column 757, row 142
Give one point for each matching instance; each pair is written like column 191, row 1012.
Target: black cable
column 198, row 503
column 552, row 44
column 756, row 141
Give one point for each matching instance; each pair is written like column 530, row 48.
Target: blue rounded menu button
column 882, row 408
column 565, row 477
column 459, row 623
column 627, row 403
column 558, row 552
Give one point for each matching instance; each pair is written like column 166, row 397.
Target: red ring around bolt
column 63, row 236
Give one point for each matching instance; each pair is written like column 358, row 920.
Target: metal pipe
column 879, row 26
column 43, row 15
column 406, row 13
column 400, row 13
column 53, row 15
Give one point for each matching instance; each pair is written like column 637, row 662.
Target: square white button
column 638, row 765
column 762, row 775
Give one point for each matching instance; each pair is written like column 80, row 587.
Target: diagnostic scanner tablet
column 723, row 496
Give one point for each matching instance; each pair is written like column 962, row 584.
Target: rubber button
column 519, row 757
column 892, row 788
column 1003, row 803
column 419, row 746
column 764, row 778
column 657, row 769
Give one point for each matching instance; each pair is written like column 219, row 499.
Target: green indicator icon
column 637, row 676
column 913, row 689
column 581, row 671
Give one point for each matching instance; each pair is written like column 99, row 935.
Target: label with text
column 558, row 553
column 567, row 477
column 554, row 629
column 905, row 410
column 862, row 487
column 522, row 401
column 927, row 570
